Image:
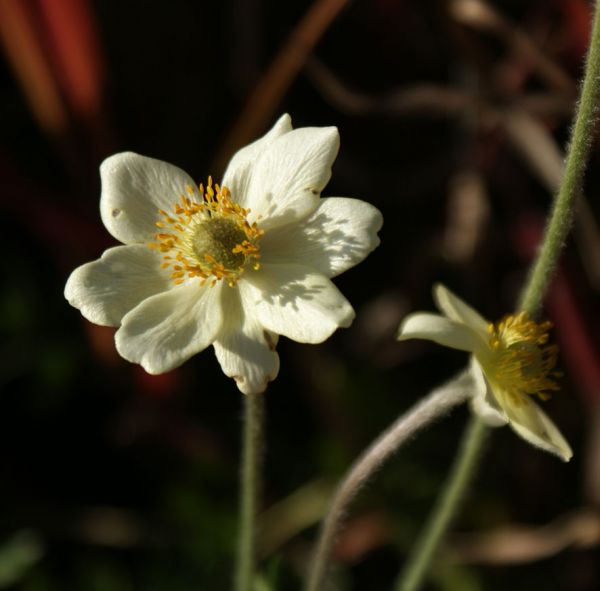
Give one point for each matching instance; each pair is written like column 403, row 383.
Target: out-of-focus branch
column 591, row 484
column 284, row 520
column 546, row 160
column 468, row 213
column 26, row 56
column 426, row 99
column 278, row 78
column 518, row 544
column 481, row 16
column 429, row 98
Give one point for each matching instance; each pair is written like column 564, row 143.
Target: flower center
column 219, row 238
column 207, row 236
column 522, row 362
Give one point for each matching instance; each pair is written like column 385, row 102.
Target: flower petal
column 239, row 169
column 433, row 327
column 134, row 188
column 294, row 301
column 530, row 422
column 167, row 329
column 339, row 234
column 106, row 289
column 245, row 350
column 484, row 403
column 459, row 311
column 288, row 177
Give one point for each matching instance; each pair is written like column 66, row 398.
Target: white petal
column 484, row 402
column 239, row 169
column 288, row 177
column 456, row 309
column 530, row 422
column 245, row 350
column 106, row 289
column 296, row 302
column 439, row 329
column 134, row 188
column 339, row 234
column 167, row 329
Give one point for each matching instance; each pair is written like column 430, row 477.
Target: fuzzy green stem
column 571, row 187
column 461, row 474
column 432, row 407
column 250, row 476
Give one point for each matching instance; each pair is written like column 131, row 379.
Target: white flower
column 511, row 362
column 234, row 265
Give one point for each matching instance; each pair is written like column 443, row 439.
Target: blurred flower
column 234, row 265
column 511, row 362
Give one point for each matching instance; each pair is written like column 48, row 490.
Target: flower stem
column 445, row 509
column 571, row 186
column 251, row 463
column 430, row 408
column 531, row 301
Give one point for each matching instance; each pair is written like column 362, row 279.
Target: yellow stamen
column 207, row 236
column 522, row 362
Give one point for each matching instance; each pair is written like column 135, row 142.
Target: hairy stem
column 460, row 475
column 430, row 408
column 250, row 477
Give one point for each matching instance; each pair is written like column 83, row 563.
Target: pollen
column 522, row 361
column 207, row 236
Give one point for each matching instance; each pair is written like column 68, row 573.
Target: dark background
column 451, row 114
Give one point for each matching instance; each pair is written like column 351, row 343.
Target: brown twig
column 428, row 99
column 518, row 544
column 278, row 78
column 546, row 160
column 482, row 16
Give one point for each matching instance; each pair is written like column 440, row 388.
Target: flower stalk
column 464, row 466
column 438, row 403
column 252, row 446
column 531, row 301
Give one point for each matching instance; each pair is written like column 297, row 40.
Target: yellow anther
column 208, row 236
column 522, row 363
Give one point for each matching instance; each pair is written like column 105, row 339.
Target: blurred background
column 453, row 115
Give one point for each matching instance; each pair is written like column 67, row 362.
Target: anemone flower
column 511, row 363
column 233, row 265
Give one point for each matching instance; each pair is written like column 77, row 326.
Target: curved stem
column 251, row 464
column 430, row 408
column 571, row 186
column 460, row 475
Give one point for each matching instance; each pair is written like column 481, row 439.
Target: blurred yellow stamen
column 207, row 236
column 522, row 362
